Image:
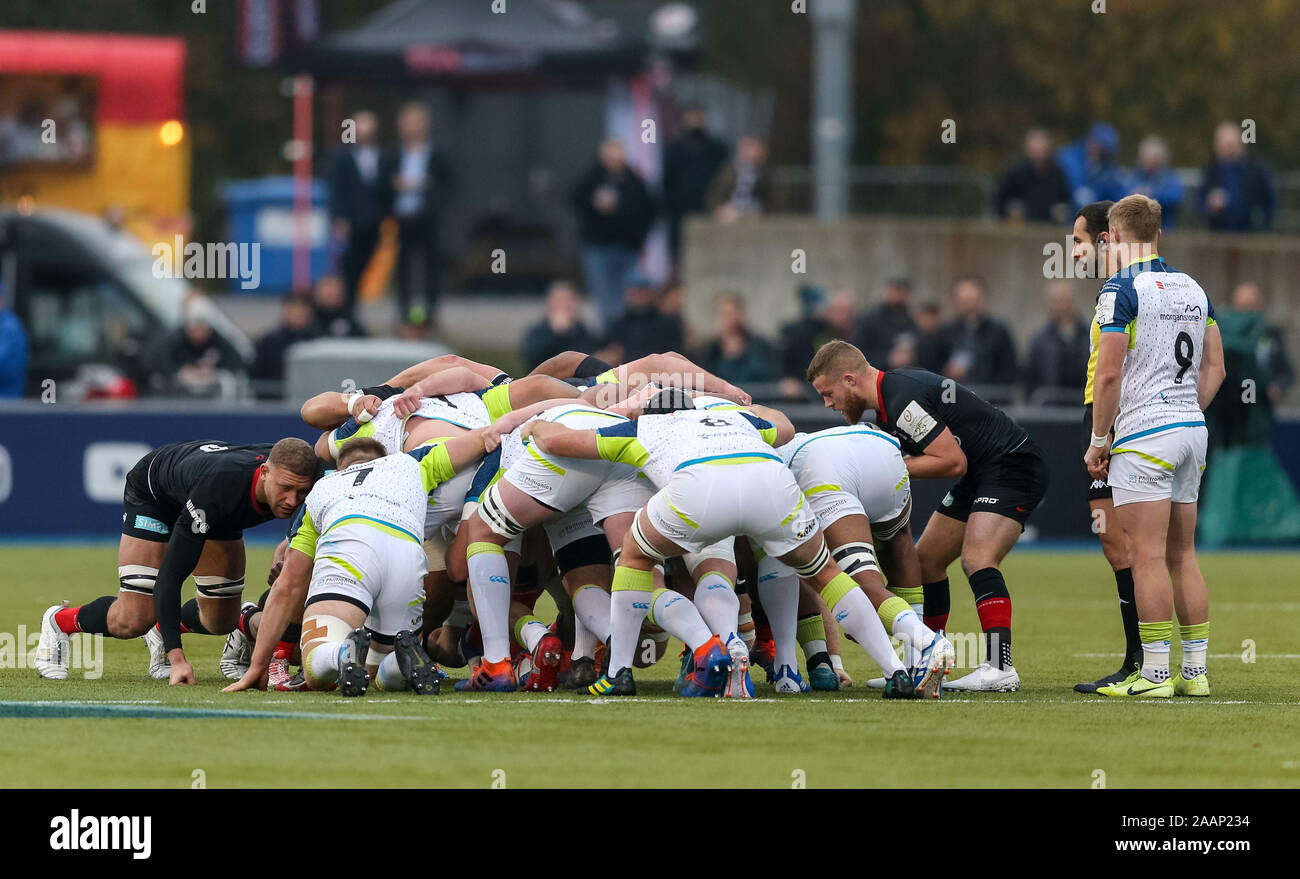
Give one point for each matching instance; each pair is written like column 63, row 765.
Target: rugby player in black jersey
column 946, row 431
column 185, row 507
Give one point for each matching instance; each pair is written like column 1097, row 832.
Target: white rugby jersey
column 465, row 410
column 575, row 416
column 825, row 456
column 662, row 444
column 389, row 493
column 1164, row 313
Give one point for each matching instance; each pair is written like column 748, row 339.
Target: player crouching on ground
column 367, row 566
column 185, row 508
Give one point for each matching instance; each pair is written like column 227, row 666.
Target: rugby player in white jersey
column 364, row 596
column 570, row 499
column 1159, row 364
column 717, row 477
column 856, row 481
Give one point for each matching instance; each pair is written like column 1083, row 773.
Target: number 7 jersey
column 1164, row 313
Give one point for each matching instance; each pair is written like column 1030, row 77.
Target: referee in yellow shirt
column 1089, row 236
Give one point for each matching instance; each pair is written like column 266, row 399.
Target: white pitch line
column 1211, row 655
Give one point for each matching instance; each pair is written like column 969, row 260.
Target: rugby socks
column 591, row 607
column 1155, row 649
column 903, row 623
column 629, row 602
column 913, row 595
column 89, row 618
column 1128, row 612
column 937, row 602
column 529, row 630
column 584, row 643
column 780, row 600
column 389, row 675
column 1196, row 642
column 489, row 578
column 811, row 634
column 246, row 621
column 993, row 603
column 674, row 613
column 715, row 597
column 746, row 629
column 322, row 663
column 190, row 621
column 854, row 613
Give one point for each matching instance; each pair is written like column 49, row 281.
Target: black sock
column 1128, row 612
column 292, row 633
column 261, row 602
column 936, row 604
column 190, row 617
column 993, row 604
column 93, row 618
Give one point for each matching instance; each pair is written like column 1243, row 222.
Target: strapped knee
column 136, row 578
column 643, row 542
column 218, row 587
column 819, row 561
column 492, row 511
column 853, row 558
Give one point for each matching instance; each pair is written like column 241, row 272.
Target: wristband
column 1099, row 442
column 352, row 401
column 837, row 662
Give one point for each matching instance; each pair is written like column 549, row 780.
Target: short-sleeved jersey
column 466, row 410
column 817, row 450
column 916, row 405
column 575, row 416
column 389, row 493
column 1164, row 313
column 660, row 445
column 210, row 485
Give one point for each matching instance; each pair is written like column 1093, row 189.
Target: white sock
column 325, row 661
column 715, row 597
column 489, row 578
column 532, row 632
column 1155, row 660
column 591, row 607
column 912, row 631
column 854, row 613
column 584, row 643
column 389, row 676
column 625, row 623
column 780, row 598
column 680, row 618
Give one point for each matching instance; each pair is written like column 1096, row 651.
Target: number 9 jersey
column 1164, row 313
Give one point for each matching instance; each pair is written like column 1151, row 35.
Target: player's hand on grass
column 182, row 671
column 845, row 680
column 253, row 679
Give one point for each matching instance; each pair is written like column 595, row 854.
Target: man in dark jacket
column 357, row 193
column 1058, row 355
column 297, row 324
column 982, row 350
column 883, row 327
column 560, row 329
column 615, row 213
column 643, row 328
column 1035, row 188
column 690, row 163
column 1236, row 191
column 417, row 179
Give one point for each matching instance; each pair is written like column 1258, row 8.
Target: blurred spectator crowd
column 1236, row 194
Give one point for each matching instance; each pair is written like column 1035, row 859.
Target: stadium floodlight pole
column 303, row 88
column 832, row 122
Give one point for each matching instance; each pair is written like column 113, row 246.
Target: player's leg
column 812, row 561
column 1116, row 547
column 396, row 660
column 1191, row 600
column 713, row 569
column 938, row 547
column 332, row 646
column 1148, row 521
column 988, row 538
column 128, row 614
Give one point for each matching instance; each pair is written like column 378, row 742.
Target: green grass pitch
column 1066, row 630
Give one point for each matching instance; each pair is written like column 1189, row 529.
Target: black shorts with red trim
column 1013, row 485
